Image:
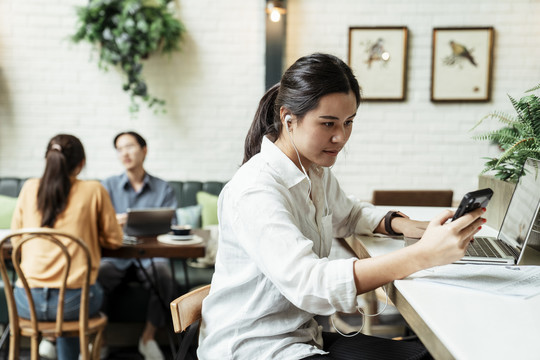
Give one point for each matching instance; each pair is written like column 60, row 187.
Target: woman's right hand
column 444, row 243
column 121, row 218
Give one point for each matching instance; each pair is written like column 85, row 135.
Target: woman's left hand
column 409, row 228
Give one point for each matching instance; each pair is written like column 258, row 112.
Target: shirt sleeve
column 110, row 232
column 106, row 184
column 17, row 217
column 169, row 199
column 350, row 215
column 270, row 236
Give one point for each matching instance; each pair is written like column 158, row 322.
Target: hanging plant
column 125, row 32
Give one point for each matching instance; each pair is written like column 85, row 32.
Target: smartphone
column 473, row 200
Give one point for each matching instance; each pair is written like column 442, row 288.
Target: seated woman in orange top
column 82, row 208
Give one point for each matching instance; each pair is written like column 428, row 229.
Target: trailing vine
column 125, row 33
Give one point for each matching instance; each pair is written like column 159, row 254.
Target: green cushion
column 7, row 206
column 209, row 208
column 189, row 215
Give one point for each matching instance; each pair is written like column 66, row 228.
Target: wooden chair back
column 34, row 328
column 441, row 198
column 186, row 314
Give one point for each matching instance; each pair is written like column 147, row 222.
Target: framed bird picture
column 461, row 64
column 378, row 58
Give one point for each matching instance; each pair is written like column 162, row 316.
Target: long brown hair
column 300, row 89
column 64, row 153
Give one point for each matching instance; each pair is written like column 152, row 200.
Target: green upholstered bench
column 9, row 186
column 129, row 301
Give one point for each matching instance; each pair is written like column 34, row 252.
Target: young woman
column 82, row 208
column 278, row 216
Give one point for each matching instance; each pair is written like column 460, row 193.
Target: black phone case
column 473, row 200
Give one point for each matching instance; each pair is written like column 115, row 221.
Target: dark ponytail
column 300, row 89
column 64, row 153
column 265, row 122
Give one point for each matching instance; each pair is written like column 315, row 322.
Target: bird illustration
column 460, row 51
column 376, row 52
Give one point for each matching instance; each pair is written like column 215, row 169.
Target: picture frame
column 378, row 58
column 461, row 64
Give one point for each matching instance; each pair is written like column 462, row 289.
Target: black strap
column 388, row 222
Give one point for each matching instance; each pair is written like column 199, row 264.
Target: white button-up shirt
column 272, row 271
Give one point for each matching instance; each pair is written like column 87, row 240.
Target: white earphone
column 288, row 121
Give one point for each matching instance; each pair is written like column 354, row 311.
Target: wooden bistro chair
column 186, row 316
column 33, row 328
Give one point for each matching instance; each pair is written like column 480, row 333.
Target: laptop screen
column 148, row 222
column 523, row 207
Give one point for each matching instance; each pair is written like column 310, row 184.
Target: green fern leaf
column 518, row 139
column 534, row 88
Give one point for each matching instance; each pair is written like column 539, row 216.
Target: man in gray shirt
column 137, row 189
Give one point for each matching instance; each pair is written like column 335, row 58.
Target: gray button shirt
column 155, row 192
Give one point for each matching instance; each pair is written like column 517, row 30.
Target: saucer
column 167, row 239
column 180, row 237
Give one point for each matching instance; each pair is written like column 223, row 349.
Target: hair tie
column 56, row 147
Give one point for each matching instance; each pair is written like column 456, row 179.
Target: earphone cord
column 326, row 203
column 300, row 161
column 363, row 314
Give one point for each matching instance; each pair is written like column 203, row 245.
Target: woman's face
column 324, row 131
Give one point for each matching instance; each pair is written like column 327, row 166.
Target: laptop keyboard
column 506, row 249
column 481, row 247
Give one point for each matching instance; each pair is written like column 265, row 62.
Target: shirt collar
column 277, row 160
column 124, row 181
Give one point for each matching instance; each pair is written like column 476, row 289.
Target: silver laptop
column 148, row 222
column 517, row 227
column 534, row 237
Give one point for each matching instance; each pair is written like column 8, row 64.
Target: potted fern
column 518, row 139
column 126, row 32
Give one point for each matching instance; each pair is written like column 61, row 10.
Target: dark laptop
column 518, row 226
column 148, row 222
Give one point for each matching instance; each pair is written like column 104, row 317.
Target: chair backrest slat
column 57, row 238
column 186, row 309
column 441, row 198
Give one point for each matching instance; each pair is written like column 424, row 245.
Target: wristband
column 388, row 222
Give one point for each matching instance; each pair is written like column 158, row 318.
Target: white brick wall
column 416, row 143
column 48, row 85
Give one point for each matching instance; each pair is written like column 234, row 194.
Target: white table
column 459, row 323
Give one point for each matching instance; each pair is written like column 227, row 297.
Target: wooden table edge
column 435, row 347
